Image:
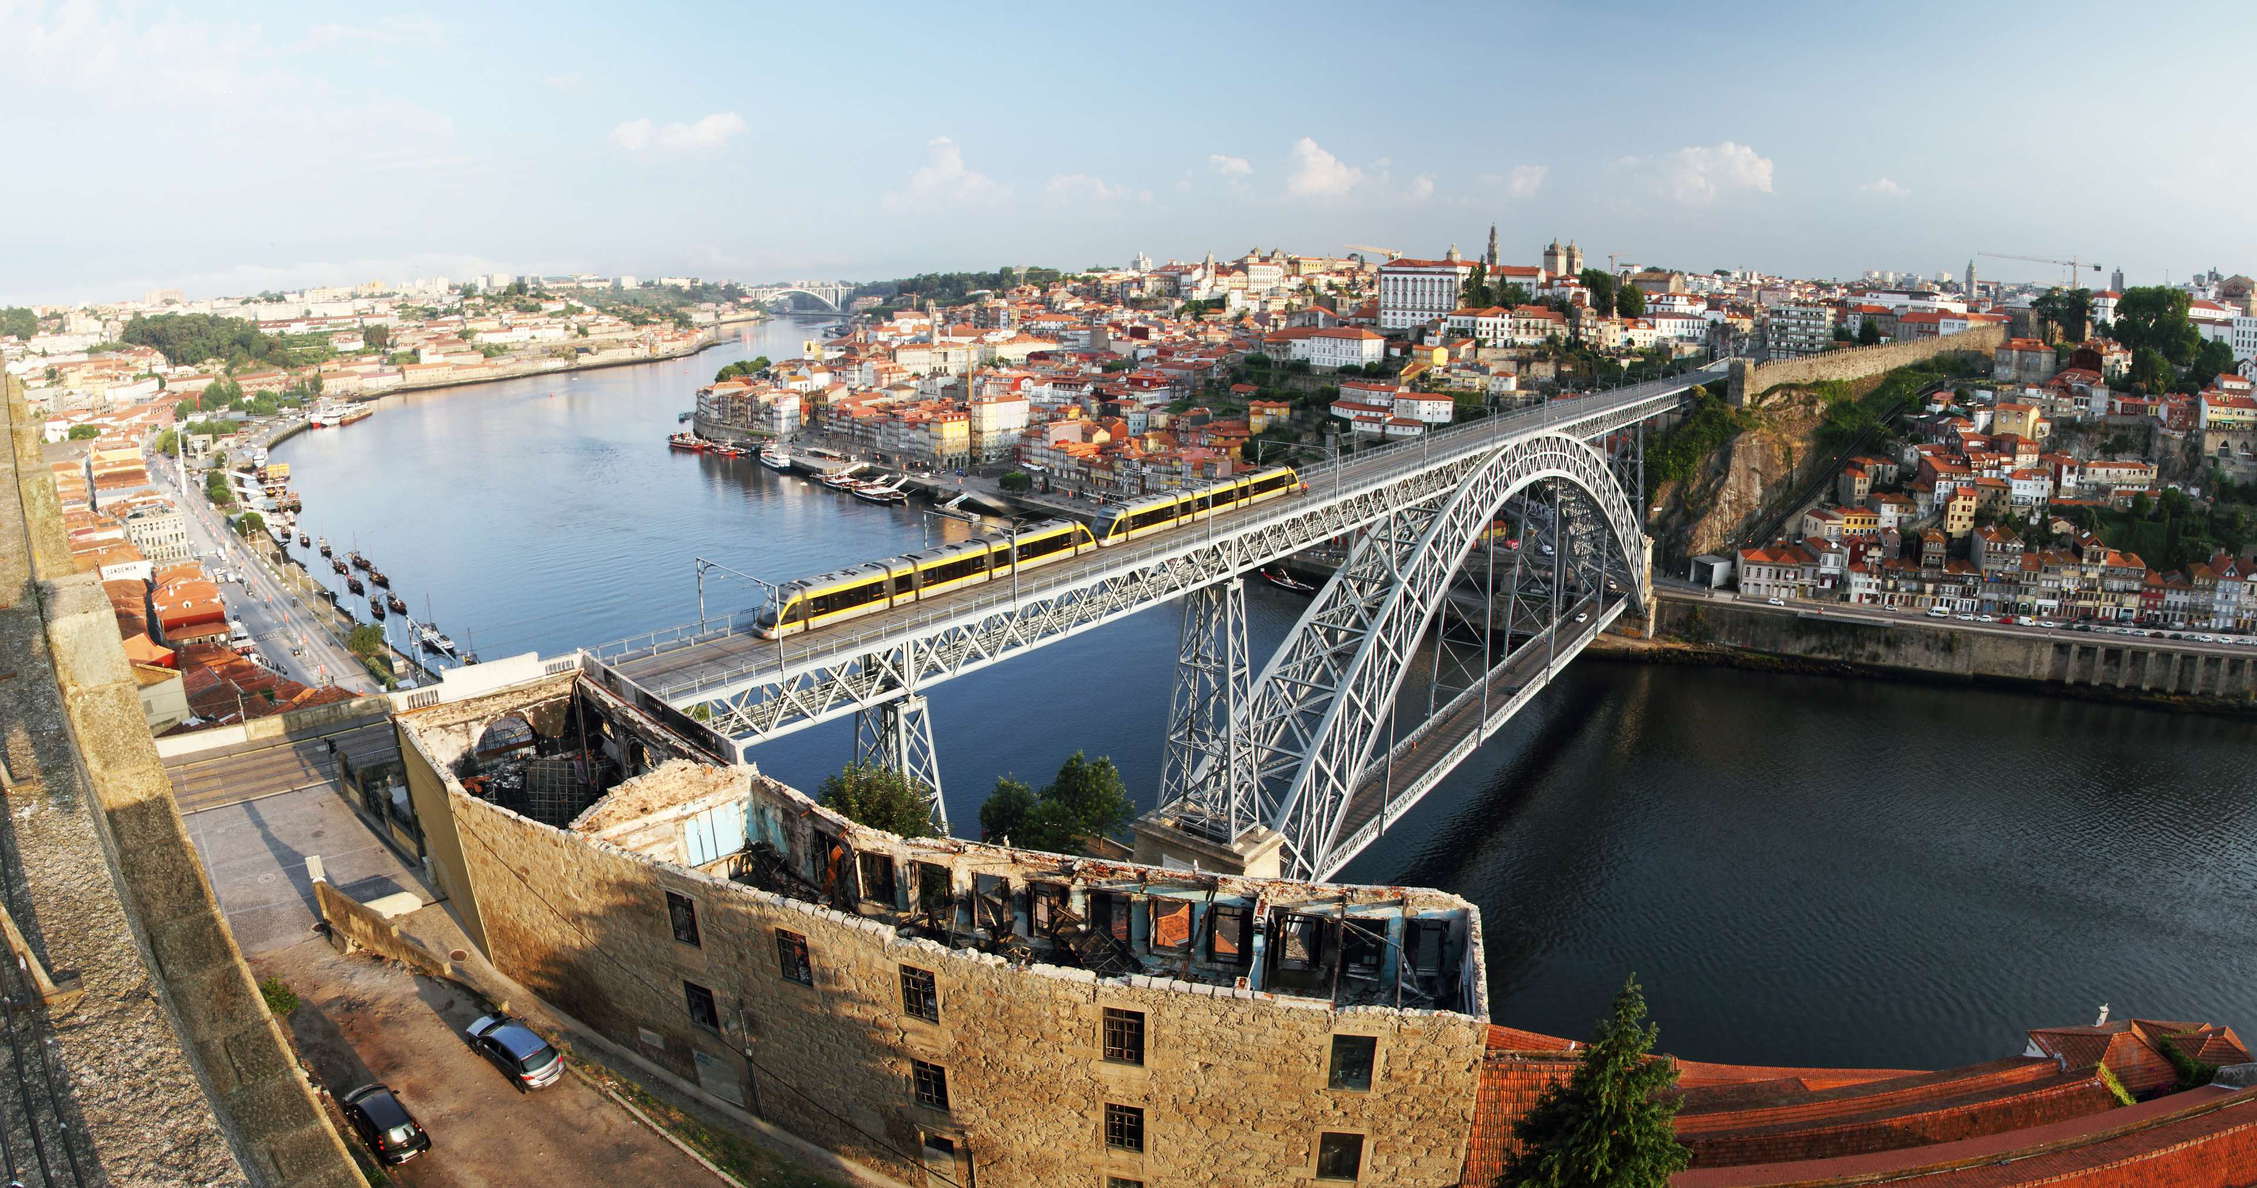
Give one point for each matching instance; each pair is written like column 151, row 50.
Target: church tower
column 1491, row 258
column 1555, row 260
column 1971, row 289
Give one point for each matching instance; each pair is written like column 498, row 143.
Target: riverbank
column 711, row 337
column 1699, row 630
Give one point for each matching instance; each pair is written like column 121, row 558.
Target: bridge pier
column 1162, row 838
column 1206, row 766
column 898, row 736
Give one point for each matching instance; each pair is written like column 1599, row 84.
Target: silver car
column 530, row 1061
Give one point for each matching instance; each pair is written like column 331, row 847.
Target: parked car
column 529, row 1060
column 1937, row 612
column 1776, row 601
column 385, row 1124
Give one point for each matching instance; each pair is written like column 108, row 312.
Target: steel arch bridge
column 1297, row 755
column 831, row 297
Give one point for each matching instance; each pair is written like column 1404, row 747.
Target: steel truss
column 1319, row 709
column 1207, row 761
column 749, row 691
column 898, row 736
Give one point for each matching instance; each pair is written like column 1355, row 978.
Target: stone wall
column 174, row 1070
column 1754, row 379
column 2116, row 666
column 1233, row 1084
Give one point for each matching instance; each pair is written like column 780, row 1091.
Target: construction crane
column 1390, row 253
column 2073, row 265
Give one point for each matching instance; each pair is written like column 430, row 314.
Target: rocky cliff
column 1773, row 461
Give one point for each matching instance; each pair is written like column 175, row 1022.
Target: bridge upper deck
column 699, row 662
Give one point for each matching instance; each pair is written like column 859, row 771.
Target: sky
column 224, row 148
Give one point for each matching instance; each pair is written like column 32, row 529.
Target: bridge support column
column 898, row 736
column 1206, row 768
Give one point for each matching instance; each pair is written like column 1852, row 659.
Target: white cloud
column 1319, row 174
column 1525, row 180
column 1885, row 188
column 1229, row 166
column 944, row 180
column 402, row 29
column 1422, row 187
column 1697, row 175
column 709, row 133
column 569, row 81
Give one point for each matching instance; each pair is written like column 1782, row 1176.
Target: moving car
column 514, row 1048
column 385, row 1124
column 1776, row 601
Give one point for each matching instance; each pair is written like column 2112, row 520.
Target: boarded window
column 714, row 834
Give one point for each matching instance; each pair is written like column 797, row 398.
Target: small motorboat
column 339, row 566
column 359, row 562
column 375, row 607
column 433, row 642
column 399, row 605
column 881, row 491
column 1286, row 581
column 353, row 584
column 324, row 546
column 302, row 541
column 841, row 479
column 377, row 577
column 687, row 441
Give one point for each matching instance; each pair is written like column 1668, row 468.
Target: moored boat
column 359, row 562
column 433, row 641
column 775, row 457
column 339, row 566
column 302, row 541
column 881, row 491
column 377, row 576
column 353, row 584
column 688, row 441
column 376, row 608
column 398, row 604
column 324, row 546
column 1286, row 581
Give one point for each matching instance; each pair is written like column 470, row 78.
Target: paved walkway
column 265, row 767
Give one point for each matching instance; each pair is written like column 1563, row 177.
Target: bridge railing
column 1440, row 447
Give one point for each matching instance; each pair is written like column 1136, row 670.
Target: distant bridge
column 1304, row 756
column 832, row 295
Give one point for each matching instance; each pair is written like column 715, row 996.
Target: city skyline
column 261, row 147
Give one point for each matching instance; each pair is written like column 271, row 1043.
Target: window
column 1340, row 1156
column 920, row 998
column 1352, row 1060
column 700, row 1001
column 930, row 1081
column 1124, row 1036
column 1124, row 1127
column 791, row 958
column 682, row 912
column 877, row 877
column 1122, row 1182
column 1228, row 941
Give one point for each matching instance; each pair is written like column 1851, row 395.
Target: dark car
column 513, row 1047
column 385, row 1124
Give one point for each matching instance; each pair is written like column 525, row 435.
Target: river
column 1802, row 870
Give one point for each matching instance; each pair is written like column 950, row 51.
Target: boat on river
column 690, row 442
column 376, row 576
column 339, row 566
column 359, row 562
column 433, row 642
column 324, row 546
column 376, row 609
column 353, row 584
column 843, row 478
column 882, row 491
column 302, row 541
column 398, row 604
column 1286, row 581
column 775, row 457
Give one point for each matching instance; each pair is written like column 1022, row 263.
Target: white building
column 1338, row 346
column 1415, row 292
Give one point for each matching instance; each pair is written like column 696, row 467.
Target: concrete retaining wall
column 1754, row 379
column 2135, row 670
column 319, row 719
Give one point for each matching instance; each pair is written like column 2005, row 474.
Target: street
column 276, row 622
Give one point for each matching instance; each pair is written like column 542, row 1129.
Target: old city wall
column 177, row 1070
column 1233, row 1084
column 2144, row 670
column 1754, row 379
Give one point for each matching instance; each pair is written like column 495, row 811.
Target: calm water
column 1801, row 870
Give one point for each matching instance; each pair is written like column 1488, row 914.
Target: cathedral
column 1559, row 261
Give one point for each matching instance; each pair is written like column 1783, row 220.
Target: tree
column 1610, row 1125
column 1868, row 332
column 217, row 490
column 250, row 524
column 193, row 338
column 167, row 441
column 1087, row 799
column 1511, row 296
column 85, row 432
column 2155, row 317
column 1630, row 301
column 1602, row 286
column 377, row 337
column 880, row 798
column 366, row 639
column 1476, row 294
column 744, row 367
column 2211, row 359
column 18, row 322
column 2150, row 369
column 1016, row 481
column 2066, row 310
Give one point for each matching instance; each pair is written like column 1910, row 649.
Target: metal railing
column 1345, row 476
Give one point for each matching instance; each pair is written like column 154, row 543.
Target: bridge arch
column 1320, row 706
column 771, row 294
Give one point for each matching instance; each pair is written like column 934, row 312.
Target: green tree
column 2066, row 310
column 250, row 524
column 880, row 798
column 1476, row 294
column 376, row 337
column 2155, row 317
column 18, row 322
column 1005, row 811
column 1016, row 481
column 216, row 489
column 1610, row 1125
column 2211, row 359
column 1630, row 301
column 744, row 367
column 1602, row 286
column 1087, row 799
column 193, row 338
column 167, row 441
column 85, row 432
column 366, row 639
column 2150, row 369
column 1511, row 296
column 1868, row 332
